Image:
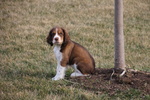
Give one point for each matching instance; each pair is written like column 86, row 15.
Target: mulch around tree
column 106, row 80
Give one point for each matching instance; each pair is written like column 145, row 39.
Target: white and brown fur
column 68, row 52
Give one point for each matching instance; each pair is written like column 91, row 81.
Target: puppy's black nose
column 56, row 39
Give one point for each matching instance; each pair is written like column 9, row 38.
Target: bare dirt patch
column 102, row 81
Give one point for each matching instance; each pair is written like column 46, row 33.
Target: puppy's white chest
column 57, row 52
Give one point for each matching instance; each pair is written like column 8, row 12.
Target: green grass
column 27, row 62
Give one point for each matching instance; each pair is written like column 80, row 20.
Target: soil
column 106, row 80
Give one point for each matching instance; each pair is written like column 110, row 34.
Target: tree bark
column 119, row 36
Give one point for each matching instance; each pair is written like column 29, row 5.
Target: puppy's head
column 57, row 36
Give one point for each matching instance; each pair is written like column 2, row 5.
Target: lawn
column 27, row 62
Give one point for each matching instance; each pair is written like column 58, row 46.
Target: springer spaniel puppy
column 68, row 52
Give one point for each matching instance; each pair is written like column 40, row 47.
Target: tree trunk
column 119, row 36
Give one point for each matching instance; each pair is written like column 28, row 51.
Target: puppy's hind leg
column 76, row 73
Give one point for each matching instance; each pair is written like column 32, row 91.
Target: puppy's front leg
column 60, row 72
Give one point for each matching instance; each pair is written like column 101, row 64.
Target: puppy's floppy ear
column 50, row 38
column 66, row 36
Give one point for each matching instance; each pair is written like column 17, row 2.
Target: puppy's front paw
column 56, row 78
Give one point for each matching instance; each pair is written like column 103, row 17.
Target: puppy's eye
column 53, row 33
column 60, row 33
